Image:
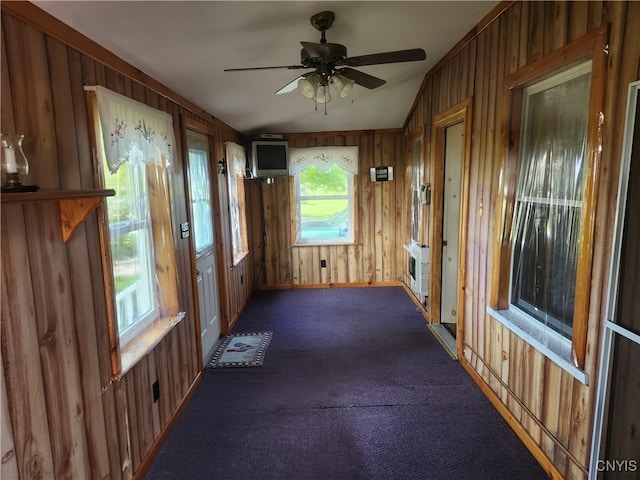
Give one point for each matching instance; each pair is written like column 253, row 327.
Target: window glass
column 548, row 209
column 131, row 247
column 325, row 205
column 416, row 179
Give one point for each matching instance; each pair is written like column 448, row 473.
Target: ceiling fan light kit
column 343, row 85
column 326, row 58
column 309, row 85
column 314, row 87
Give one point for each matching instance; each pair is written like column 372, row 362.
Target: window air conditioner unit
column 419, row 269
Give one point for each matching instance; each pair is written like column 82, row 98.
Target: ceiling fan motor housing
column 329, row 53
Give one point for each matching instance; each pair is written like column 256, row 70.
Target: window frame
column 517, row 299
column 125, row 355
column 151, row 315
column 589, row 47
column 296, row 223
column 297, row 198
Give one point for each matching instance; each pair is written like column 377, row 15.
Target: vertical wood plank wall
column 553, row 407
column 68, row 418
column 374, row 257
column 70, row 421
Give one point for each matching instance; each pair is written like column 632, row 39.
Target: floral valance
column 133, row 131
column 236, row 159
column 323, row 158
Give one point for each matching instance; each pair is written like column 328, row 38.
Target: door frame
column 462, row 112
column 610, row 328
column 193, row 125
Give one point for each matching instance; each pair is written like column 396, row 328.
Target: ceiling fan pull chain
column 326, row 98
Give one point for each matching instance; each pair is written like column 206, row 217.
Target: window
column 324, row 194
column 237, row 163
column 549, row 197
column 130, row 236
column 135, row 145
column 416, row 183
column 543, row 251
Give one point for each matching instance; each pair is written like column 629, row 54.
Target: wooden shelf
column 75, row 205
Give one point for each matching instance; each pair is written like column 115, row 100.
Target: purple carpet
column 353, row 386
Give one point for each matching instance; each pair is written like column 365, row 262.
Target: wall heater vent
column 419, row 269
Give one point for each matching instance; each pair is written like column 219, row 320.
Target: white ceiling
column 186, row 46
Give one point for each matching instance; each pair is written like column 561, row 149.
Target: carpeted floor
column 353, row 386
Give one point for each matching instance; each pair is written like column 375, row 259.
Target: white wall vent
column 419, row 269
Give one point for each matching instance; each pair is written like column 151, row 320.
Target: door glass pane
column 200, row 191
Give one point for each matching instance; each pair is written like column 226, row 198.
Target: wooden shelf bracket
column 75, row 205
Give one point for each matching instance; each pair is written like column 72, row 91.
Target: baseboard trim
column 294, row 286
column 148, row 459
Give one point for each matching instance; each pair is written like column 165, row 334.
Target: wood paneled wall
column 377, row 255
column 552, row 410
column 69, row 419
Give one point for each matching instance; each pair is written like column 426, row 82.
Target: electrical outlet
column 156, row 391
column 323, row 263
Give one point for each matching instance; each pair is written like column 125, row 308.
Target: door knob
column 444, row 243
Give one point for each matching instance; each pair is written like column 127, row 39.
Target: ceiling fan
column 331, row 66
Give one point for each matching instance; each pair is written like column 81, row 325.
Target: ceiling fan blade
column 293, row 85
column 361, row 78
column 290, row 67
column 411, row 55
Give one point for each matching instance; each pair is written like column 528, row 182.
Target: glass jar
column 14, row 163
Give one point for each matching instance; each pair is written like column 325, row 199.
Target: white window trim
column 349, row 240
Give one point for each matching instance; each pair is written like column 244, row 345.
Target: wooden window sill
column 146, row 341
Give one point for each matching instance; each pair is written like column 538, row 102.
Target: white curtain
column 133, row 131
column 323, row 158
column 237, row 161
